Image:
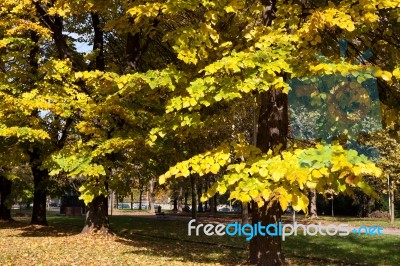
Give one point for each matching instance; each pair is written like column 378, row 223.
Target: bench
column 160, row 215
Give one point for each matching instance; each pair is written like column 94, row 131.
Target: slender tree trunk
column 5, row 191
column 199, row 193
column 97, row 216
column 175, row 209
column 140, row 198
column 180, row 198
column 194, row 200
column 205, row 190
column 391, row 192
column 213, row 204
column 186, row 198
column 152, row 194
column 313, row 206
column 213, row 201
column 131, row 200
column 245, row 213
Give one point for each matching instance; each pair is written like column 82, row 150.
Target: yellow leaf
column 311, row 185
column 161, row 179
column 215, row 168
column 343, row 174
column 316, row 174
column 386, row 75
column 283, row 202
column 253, row 193
column 266, row 193
column 396, row 73
column 263, row 172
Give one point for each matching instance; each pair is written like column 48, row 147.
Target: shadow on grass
column 169, row 239
column 181, row 250
column 55, row 229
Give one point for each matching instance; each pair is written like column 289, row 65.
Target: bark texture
column 5, row 204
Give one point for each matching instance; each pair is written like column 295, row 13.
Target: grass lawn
column 144, row 241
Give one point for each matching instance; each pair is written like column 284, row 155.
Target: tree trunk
column 391, row 193
column 131, row 200
column 194, row 201
column 205, row 191
column 152, row 195
column 180, row 198
column 213, row 204
column 272, row 134
column 140, row 198
column 5, row 191
column 266, row 250
column 313, row 206
column 245, row 213
column 272, row 130
column 199, row 193
column 175, row 209
column 186, row 198
column 97, row 216
column 213, row 201
column 40, row 178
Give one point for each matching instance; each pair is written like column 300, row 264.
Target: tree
column 261, row 59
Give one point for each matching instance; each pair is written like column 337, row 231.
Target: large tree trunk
column 40, row 178
column 266, row 250
column 272, row 130
column 97, row 216
column 5, row 206
column 272, row 134
column 313, row 206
